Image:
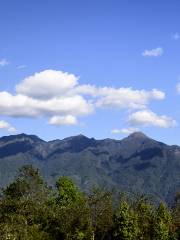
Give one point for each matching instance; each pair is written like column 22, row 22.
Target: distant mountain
column 135, row 164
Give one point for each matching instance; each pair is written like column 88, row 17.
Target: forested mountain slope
column 134, row 164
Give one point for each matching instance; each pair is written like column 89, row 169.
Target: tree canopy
column 31, row 210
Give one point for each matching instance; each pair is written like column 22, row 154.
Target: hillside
column 135, row 164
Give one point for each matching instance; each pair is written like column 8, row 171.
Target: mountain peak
column 139, row 135
column 136, row 138
column 21, row 136
column 76, row 137
column 81, row 136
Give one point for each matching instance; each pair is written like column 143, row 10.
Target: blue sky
column 118, row 51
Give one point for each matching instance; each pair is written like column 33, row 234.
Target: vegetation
column 30, row 210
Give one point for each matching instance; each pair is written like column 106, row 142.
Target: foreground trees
column 30, row 210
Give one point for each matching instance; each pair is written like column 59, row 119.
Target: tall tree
column 125, row 223
column 71, row 219
column 100, row 204
column 145, row 214
column 162, row 223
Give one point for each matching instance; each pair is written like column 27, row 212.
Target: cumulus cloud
column 149, row 118
column 5, row 125
column 125, row 130
column 63, row 120
column 120, row 97
column 59, row 96
column 156, row 52
column 3, row 62
column 47, row 84
column 127, row 97
column 24, row 106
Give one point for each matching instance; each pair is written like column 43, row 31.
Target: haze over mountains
column 135, row 164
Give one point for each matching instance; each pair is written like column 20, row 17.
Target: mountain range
column 136, row 163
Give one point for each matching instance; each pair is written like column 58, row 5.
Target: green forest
column 32, row 210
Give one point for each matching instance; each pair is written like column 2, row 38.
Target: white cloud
column 5, row 125
column 3, row 62
column 156, row 52
column 87, row 89
column 149, row 118
column 127, row 98
column 58, row 95
column 125, row 130
column 47, row 84
column 21, row 66
column 63, row 120
column 108, row 97
column 176, row 36
column 24, row 106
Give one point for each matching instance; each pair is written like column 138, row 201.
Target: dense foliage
column 30, row 210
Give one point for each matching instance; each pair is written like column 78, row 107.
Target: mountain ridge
column 134, row 135
column 136, row 163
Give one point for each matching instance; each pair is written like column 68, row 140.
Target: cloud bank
column 62, row 99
